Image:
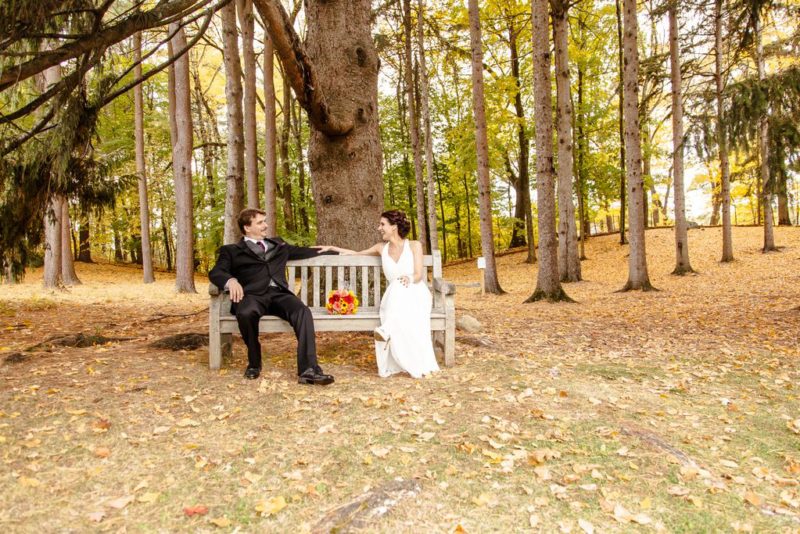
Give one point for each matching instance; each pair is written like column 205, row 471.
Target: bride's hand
column 405, row 280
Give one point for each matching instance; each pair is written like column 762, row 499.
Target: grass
column 574, row 412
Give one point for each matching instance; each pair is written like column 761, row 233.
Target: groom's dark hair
column 399, row 219
column 246, row 216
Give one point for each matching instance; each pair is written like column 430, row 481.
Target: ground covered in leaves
column 674, row 410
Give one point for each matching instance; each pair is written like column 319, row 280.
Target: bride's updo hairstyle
column 399, row 219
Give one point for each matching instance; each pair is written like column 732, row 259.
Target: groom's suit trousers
column 289, row 308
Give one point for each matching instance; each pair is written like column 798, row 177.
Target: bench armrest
column 443, row 286
column 213, row 290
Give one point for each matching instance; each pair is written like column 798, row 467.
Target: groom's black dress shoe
column 314, row 376
column 251, row 373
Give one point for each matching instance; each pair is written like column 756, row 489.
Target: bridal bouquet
column 342, row 302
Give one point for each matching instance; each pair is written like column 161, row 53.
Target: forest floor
column 675, row 410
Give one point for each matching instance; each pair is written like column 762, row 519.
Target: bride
column 403, row 340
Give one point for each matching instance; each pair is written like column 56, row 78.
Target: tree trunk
column 286, row 169
column 270, row 137
column 301, row 168
column 581, row 143
column 569, row 262
column 413, row 124
column 682, row 265
column 491, row 283
column 53, row 244
column 637, row 258
column 205, row 138
column 247, row 21
column 783, row 203
column 433, row 233
column 138, row 123
column 548, row 284
column 182, row 165
column 84, row 246
column 763, row 145
column 346, row 169
column 68, row 274
column 621, row 124
column 523, row 218
column 234, row 177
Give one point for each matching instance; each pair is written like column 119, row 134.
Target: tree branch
column 299, row 70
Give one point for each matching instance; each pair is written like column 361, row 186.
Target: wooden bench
column 316, row 277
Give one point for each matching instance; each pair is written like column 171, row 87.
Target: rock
column 468, row 323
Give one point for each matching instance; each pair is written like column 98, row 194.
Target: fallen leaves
column 268, row 507
column 198, row 509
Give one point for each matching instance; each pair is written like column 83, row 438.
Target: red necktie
column 262, row 245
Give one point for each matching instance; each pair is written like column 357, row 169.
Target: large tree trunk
column 346, row 170
column 182, row 164
column 621, row 126
column 569, row 262
column 637, row 258
column 234, row 191
column 413, row 124
column 491, row 284
column 270, row 137
column 138, row 123
column 247, row 22
column 763, row 145
column 682, row 265
column 548, row 284
column 426, row 122
column 53, row 244
column 68, row 274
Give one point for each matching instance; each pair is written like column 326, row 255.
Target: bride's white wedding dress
column 406, row 318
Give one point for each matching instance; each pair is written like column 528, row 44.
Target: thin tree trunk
column 68, row 274
column 286, row 170
column 569, row 262
column 621, row 124
column 247, row 22
column 581, row 143
column 270, row 137
column 413, row 124
column 297, row 127
column 182, row 165
column 783, row 203
column 763, row 145
column 468, row 204
column 491, row 283
column 84, row 245
column 234, row 190
column 433, row 233
column 548, row 284
column 138, row 123
column 682, row 264
column 205, row 139
column 637, row 258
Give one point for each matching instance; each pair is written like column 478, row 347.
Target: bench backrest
column 361, row 274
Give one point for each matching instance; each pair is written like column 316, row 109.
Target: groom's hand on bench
column 235, row 289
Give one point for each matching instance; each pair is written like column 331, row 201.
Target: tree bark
column 763, row 145
column 491, row 283
column 270, row 137
column 569, row 262
column 286, row 168
column 68, row 274
column 548, row 283
column 433, row 233
column 141, row 171
column 637, row 258
column 234, row 187
column 346, row 170
column 182, row 165
column 621, row 124
column 84, row 245
column 413, row 124
column 244, row 9
column 53, row 245
column 682, row 264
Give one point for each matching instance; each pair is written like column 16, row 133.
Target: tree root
column 559, row 296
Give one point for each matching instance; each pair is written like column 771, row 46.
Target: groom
column 253, row 271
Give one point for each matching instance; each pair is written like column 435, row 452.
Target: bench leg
column 438, row 343
column 214, row 351
column 227, row 345
column 450, row 332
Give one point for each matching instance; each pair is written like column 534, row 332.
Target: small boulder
column 468, row 323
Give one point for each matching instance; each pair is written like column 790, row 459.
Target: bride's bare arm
column 416, row 249
column 374, row 250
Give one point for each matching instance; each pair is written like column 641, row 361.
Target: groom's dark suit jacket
column 253, row 270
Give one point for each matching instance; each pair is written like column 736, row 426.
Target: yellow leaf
column 121, row 502
column 268, row 507
column 29, row 482
column 754, row 498
column 149, row 497
column 221, row 522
